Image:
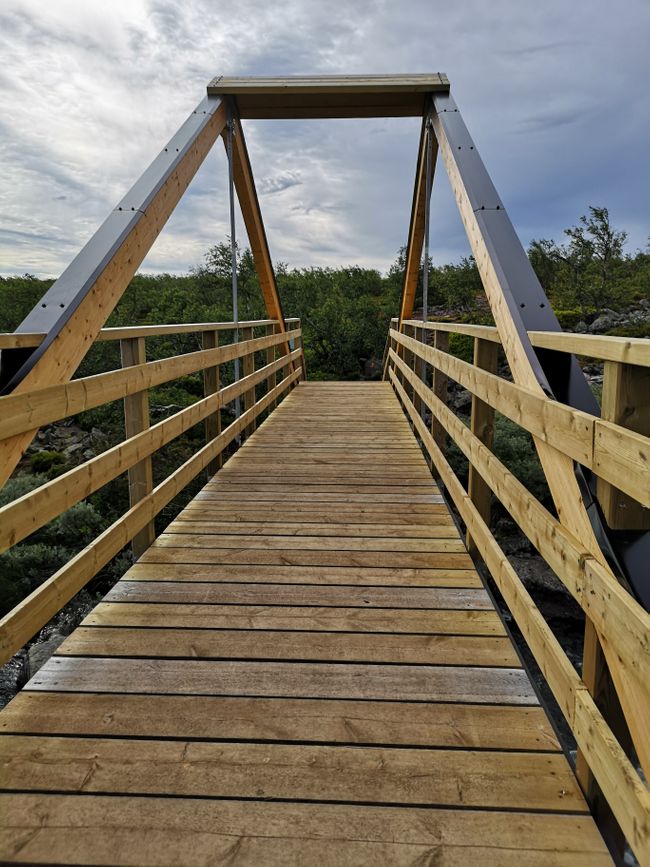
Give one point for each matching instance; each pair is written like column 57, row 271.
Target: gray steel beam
column 65, row 295
column 559, row 374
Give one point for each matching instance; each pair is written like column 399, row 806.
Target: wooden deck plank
column 92, row 829
column 495, row 779
column 283, row 720
column 304, row 575
column 261, row 644
column 470, row 685
column 472, row 601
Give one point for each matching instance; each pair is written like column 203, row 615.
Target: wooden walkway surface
column 304, row 668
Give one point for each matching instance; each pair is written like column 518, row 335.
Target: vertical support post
column 299, row 345
column 598, row 680
column 136, row 419
column 211, row 385
column 248, row 367
column 439, row 385
column 486, row 357
column 414, row 363
column 624, row 402
column 271, row 381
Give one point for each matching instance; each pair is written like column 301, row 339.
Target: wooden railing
column 419, row 367
column 27, row 411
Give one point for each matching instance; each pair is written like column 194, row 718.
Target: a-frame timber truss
column 73, row 311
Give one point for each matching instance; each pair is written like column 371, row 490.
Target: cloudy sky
column 554, row 93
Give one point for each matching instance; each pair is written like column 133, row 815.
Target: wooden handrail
column 24, row 621
column 32, row 511
column 28, row 340
column 604, row 347
column 577, row 434
column 625, row 791
column 618, row 456
column 29, row 410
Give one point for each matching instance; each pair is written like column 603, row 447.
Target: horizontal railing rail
column 17, row 340
column 628, row 350
column 416, row 370
column 30, row 410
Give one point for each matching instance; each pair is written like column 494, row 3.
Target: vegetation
column 345, row 314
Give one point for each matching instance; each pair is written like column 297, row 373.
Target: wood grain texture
column 311, row 648
column 108, row 830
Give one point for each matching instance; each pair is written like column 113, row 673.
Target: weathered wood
column 108, row 830
column 136, row 420
column 313, row 773
column 277, row 645
column 362, row 576
column 475, row 601
column 186, row 615
column 256, row 719
column 333, row 646
column 292, row 679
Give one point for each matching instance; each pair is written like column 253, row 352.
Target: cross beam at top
column 330, row 96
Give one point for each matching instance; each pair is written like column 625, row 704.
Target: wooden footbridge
column 309, row 664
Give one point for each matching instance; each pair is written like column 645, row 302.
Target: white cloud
column 554, row 95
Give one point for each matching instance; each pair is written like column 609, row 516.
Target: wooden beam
column 625, row 403
column 211, row 385
column 33, row 510
column 250, row 208
column 110, row 264
column 486, row 357
column 22, row 412
column 416, row 228
column 137, row 420
column 248, row 368
column 628, row 350
column 620, row 782
column 622, row 625
column 17, row 627
column 330, row 96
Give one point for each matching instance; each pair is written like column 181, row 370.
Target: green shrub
column 25, row 566
column 47, row 462
column 462, row 345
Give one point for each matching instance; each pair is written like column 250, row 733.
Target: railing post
column 411, row 361
column 486, row 357
column 272, row 380
column 625, row 402
column 211, row 385
column 136, row 419
column 439, row 385
column 299, row 345
column 248, row 367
